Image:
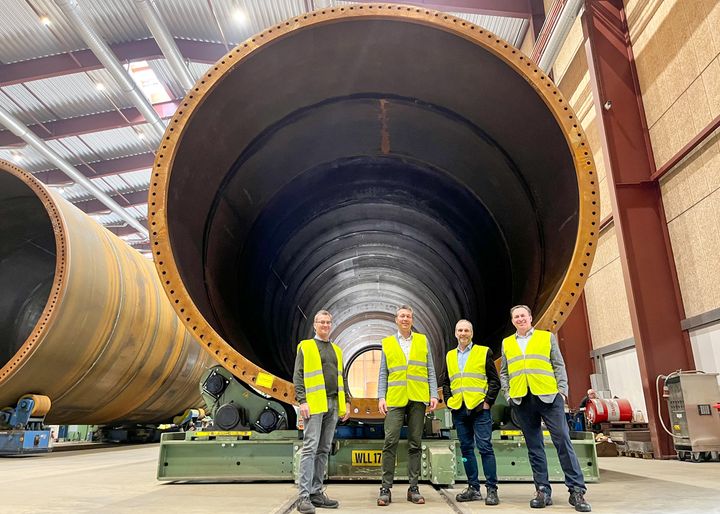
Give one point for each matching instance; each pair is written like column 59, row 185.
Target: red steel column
column 576, row 344
column 648, row 267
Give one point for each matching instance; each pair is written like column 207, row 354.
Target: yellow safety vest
column 532, row 369
column 470, row 385
column 407, row 378
column 315, row 382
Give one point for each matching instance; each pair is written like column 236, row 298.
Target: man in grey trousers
column 319, row 388
column 534, row 381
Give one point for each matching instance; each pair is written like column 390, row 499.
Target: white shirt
column 523, row 341
column 405, row 344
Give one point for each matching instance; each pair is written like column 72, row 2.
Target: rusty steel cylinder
column 83, row 318
column 358, row 158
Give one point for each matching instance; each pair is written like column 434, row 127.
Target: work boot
column 305, row 506
column 385, row 497
column 322, row 501
column 492, row 496
column 541, row 500
column 414, row 495
column 577, row 500
column 470, row 494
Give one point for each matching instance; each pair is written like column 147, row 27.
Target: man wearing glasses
column 320, row 392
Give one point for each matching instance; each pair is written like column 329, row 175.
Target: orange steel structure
column 364, row 126
column 83, row 319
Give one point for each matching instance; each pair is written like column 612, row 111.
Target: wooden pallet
column 605, row 427
column 636, row 454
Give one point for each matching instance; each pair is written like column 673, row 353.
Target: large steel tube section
column 83, row 318
column 362, row 157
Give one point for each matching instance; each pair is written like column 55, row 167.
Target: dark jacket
column 493, row 382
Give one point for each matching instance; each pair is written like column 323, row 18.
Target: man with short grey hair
column 406, row 386
column 320, row 392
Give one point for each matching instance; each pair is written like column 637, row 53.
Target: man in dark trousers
column 534, row 381
column 470, row 390
column 406, row 387
column 320, row 392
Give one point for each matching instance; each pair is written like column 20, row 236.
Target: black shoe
column 470, row 494
column 577, row 500
column 413, row 495
column 385, row 497
column 492, row 496
column 542, row 499
column 305, row 506
column 322, row 501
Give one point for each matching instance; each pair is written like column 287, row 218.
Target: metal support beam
column 137, row 162
column 125, row 199
column 165, row 41
column 537, row 17
column 13, row 124
column 576, row 344
column 686, row 150
column 653, row 293
column 127, row 117
column 555, row 31
column 102, row 51
column 64, row 64
column 126, row 231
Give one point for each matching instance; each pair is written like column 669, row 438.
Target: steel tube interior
column 356, row 164
column 27, row 263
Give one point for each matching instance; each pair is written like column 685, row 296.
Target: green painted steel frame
column 513, row 464
column 276, row 456
column 185, row 456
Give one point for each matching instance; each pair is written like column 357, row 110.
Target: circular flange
column 588, row 218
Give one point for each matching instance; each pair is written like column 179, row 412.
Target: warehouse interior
column 185, row 183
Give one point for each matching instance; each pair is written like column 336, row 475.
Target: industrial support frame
column 649, row 273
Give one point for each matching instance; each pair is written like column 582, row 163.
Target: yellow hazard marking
column 264, row 380
column 518, row 432
column 366, row 457
column 216, row 433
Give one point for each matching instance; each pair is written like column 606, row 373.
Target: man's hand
column 382, row 406
column 347, row 413
column 305, row 410
column 486, row 406
column 433, row 404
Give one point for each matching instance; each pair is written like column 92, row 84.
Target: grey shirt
column 556, row 359
column 383, row 377
column 329, row 368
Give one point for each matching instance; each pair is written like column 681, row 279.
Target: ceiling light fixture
column 99, row 86
column 45, row 20
column 240, row 17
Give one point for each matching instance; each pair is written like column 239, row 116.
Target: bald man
column 471, row 387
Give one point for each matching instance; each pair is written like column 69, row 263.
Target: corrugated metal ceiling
column 24, row 37
column 111, row 184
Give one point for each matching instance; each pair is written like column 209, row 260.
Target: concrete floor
column 122, row 480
